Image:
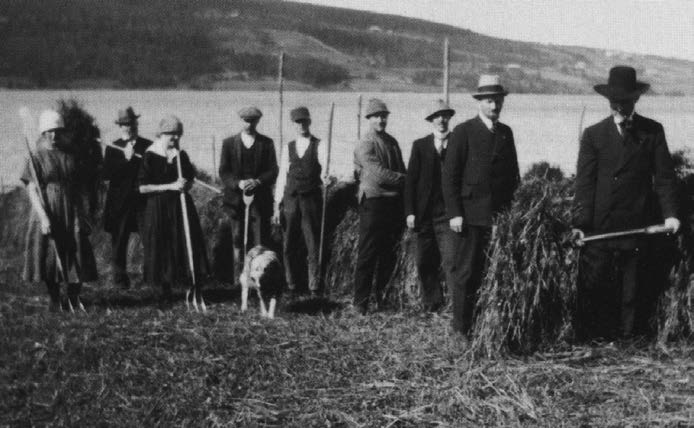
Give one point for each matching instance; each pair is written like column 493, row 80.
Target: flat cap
column 299, row 113
column 250, row 113
column 375, row 106
column 170, row 125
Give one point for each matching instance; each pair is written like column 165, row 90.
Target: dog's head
column 263, row 270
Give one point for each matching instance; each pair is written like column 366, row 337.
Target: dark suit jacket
column 616, row 176
column 122, row 197
column 480, row 173
column 265, row 169
column 423, row 172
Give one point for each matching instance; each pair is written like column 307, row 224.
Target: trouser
column 608, row 279
column 380, row 228
column 302, row 214
column 436, row 243
column 468, row 274
column 119, row 249
column 228, row 247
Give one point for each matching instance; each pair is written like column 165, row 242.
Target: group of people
column 454, row 184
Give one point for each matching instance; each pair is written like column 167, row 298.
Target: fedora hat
column 622, row 84
column 375, row 106
column 126, row 116
column 489, row 85
column 438, row 106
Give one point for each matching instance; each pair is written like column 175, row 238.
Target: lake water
column 545, row 126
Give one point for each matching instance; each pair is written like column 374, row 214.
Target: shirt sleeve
column 281, row 179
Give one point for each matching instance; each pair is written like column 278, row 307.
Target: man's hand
column 577, row 237
column 250, row 184
column 456, row 224
column 328, row 180
column 179, row 185
column 45, row 224
column 276, row 216
column 410, row 221
column 128, row 150
column 673, row 224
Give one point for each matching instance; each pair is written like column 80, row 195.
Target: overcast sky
column 659, row 27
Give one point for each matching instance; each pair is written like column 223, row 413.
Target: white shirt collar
column 618, row 118
column 302, row 144
column 247, row 140
column 441, row 140
column 487, row 121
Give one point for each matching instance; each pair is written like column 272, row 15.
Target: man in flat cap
column 124, row 204
column 425, row 210
column 248, row 165
column 381, row 173
column 299, row 185
column 480, row 175
column 624, row 168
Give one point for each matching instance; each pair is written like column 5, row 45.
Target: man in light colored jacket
column 381, row 173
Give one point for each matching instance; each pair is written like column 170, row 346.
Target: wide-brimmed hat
column 438, row 107
column 50, row 120
column 299, row 113
column 489, row 85
column 126, row 116
column 170, row 125
column 249, row 113
column 622, row 84
column 375, row 106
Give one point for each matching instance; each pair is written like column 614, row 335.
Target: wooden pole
column 580, row 123
column 280, row 79
column 446, row 69
column 325, row 189
column 359, row 119
column 214, row 158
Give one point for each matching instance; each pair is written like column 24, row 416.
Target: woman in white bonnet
column 58, row 215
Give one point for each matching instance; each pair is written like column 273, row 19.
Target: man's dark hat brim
column 617, row 93
column 450, row 112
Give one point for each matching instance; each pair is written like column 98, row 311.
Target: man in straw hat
column 124, row 204
column 623, row 162
column 248, row 164
column 424, row 207
column 480, row 176
column 381, row 173
column 299, row 186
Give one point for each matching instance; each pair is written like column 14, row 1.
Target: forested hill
column 234, row 44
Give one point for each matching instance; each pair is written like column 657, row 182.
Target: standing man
column 248, row 165
column 124, row 204
column 425, row 209
column 622, row 161
column 381, row 173
column 299, row 185
column 480, row 176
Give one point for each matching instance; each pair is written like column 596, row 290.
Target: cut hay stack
column 527, row 295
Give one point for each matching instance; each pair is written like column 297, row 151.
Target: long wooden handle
column 325, row 188
column 650, row 230
column 186, row 223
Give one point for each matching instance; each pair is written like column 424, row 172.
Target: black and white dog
column 263, row 272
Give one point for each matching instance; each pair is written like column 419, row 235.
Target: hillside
column 233, row 44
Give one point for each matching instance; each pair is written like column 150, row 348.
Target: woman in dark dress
column 163, row 235
column 58, row 216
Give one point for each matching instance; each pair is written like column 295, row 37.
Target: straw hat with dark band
column 489, row 86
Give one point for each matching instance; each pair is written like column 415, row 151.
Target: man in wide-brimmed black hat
column 124, row 204
column 624, row 170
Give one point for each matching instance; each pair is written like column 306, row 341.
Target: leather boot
column 53, row 296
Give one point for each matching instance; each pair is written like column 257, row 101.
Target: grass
column 126, row 363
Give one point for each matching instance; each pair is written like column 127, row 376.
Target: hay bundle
column 527, row 295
